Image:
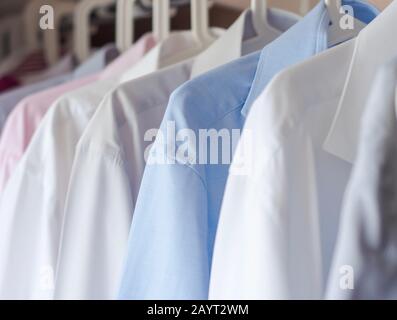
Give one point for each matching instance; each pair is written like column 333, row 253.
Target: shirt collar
column 156, row 58
column 373, row 47
column 304, row 40
column 97, row 62
column 215, row 55
column 131, row 56
column 228, row 46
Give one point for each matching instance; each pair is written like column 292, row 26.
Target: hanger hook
column 161, row 19
column 82, row 25
column 125, row 22
column 200, row 21
column 259, row 9
column 333, row 7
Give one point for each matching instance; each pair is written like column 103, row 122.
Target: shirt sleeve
column 13, row 142
column 31, row 209
column 98, row 215
column 364, row 262
column 168, row 254
column 267, row 238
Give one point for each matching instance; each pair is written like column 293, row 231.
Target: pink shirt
column 27, row 115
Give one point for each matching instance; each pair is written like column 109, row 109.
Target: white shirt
column 32, row 204
column 109, row 164
column 280, row 213
column 364, row 263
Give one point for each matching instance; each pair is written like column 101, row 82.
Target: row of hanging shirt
column 226, row 174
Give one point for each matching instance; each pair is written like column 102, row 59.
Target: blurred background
column 19, row 33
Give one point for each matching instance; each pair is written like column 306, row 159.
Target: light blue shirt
column 176, row 216
column 96, row 63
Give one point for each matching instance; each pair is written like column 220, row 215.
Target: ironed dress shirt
column 27, row 265
column 366, row 245
column 94, row 64
column 40, row 181
column 27, row 115
column 100, row 61
column 176, row 215
column 286, row 208
column 267, row 244
column 111, row 154
column 11, row 98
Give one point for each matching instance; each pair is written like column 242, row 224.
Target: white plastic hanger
column 333, row 7
column 200, row 29
column 161, row 19
column 336, row 33
column 51, row 37
column 200, row 26
column 10, row 31
column 30, row 24
column 125, row 22
column 15, row 51
column 31, row 17
column 261, row 24
column 200, row 22
column 82, row 36
column 161, row 23
column 304, row 7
